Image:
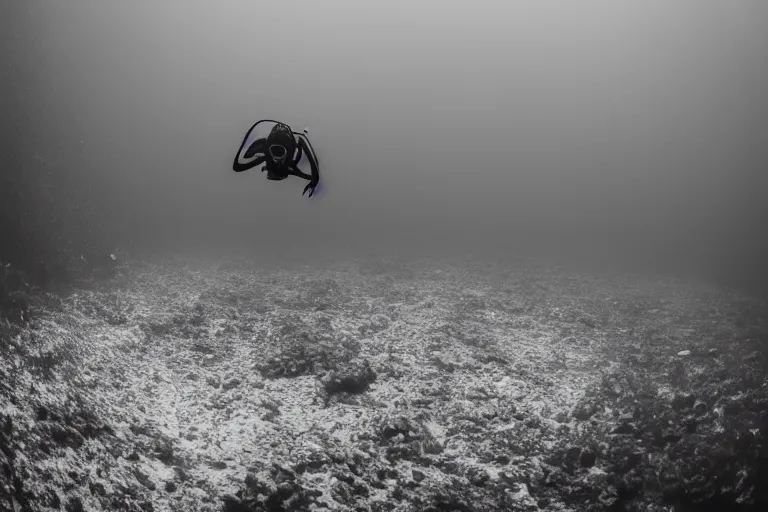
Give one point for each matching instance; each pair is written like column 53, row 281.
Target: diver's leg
column 253, row 146
column 296, row 172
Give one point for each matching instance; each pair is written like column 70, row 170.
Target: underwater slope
column 383, row 387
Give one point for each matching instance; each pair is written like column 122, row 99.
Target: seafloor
column 373, row 387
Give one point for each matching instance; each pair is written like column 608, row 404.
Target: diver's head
column 278, row 152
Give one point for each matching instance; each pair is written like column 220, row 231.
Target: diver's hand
column 311, row 187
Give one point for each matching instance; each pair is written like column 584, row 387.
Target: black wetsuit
column 280, row 151
column 281, row 136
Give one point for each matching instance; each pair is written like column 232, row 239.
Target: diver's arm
column 240, row 167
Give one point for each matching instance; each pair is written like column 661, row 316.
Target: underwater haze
column 624, row 132
column 533, row 276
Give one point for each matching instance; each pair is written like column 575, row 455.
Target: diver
column 282, row 151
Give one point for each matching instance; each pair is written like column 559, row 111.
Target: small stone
column 231, row 384
column 171, row 486
column 418, row 476
column 684, row 353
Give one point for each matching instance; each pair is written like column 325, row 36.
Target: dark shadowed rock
column 266, row 494
column 181, row 474
column 585, row 410
column 625, row 428
column 683, row 401
column 434, row 447
column 354, row 379
column 144, row 480
column 231, row 384
column 15, row 307
column 478, row 477
column 97, row 488
column 74, row 504
column 66, row 436
column 587, row 459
